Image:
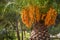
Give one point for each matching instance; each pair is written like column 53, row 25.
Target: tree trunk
column 22, row 35
column 39, row 32
column 21, row 25
column 17, row 30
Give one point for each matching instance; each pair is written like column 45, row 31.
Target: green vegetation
column 11, row 26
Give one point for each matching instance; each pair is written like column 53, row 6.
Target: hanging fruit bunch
column 24, row 16
column 30, row 15
column 50, row 17
column 37, row 14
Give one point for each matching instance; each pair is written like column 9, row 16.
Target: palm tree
column 40, row 25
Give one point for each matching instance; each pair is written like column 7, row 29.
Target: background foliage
column 10, row 12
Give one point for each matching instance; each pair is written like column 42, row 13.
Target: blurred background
column 11, row 26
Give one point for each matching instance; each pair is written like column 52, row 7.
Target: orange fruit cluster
column 30, row 15
column 24, row 16
column 37, row 14
column 50, row 17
